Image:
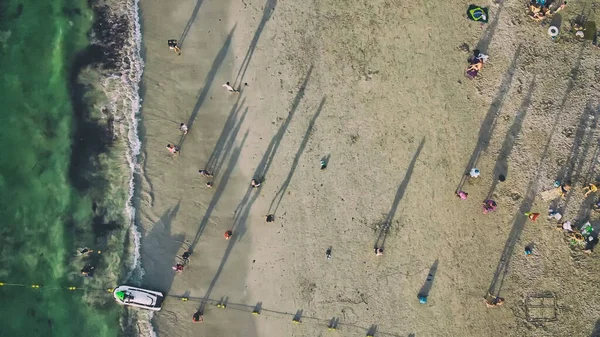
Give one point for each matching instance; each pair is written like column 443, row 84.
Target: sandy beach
column 377, row 89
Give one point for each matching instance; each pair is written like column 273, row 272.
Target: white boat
column 137, row 297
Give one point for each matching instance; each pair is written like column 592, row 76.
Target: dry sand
column 378, row 88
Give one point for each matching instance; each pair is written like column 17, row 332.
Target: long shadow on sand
column 486, row 39
column 159, row 274
column 596, row 331
column 385, row 227
column 219, row 191
column 501, row 167
column 520, row 219
column 188, row 26
column 261, row 170
column 426, row 288
column 564, row 172
column 491, row 118
column 226, row 139
column 267, row 11
column 243, row 209
column 584, row 139
column 281, row 192
column 210, row 77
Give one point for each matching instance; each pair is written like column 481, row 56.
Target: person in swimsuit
column 173, row 149
column 564, row 189
column 378, row 251
column 174, row 46
column 489, row 206
column 591, row 188
column 255, row 183
column 178, row 268
column 462, row 195
column 183, row 128
column 494, row 301
column 205, row 173
column 88, row 270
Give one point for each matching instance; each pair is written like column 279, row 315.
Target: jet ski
column 138, row 297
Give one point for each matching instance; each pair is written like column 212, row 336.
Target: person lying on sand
column 173, row 149
column 173, row 46
column 476, row 64
column 198, row 317
column 205, row 173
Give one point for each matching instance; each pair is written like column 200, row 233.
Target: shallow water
column 42, row 214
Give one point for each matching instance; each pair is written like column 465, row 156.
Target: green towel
column 477, row 13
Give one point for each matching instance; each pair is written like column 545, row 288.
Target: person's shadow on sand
column 159, row 250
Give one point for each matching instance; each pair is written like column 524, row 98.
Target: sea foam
column 122, row 88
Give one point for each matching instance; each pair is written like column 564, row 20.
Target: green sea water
column 42, row 217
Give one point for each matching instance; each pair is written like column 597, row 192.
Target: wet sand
column 378, row 89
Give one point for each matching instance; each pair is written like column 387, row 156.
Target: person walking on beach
column 378, row 251
column 230, row 88
column 255, row 183
column 183, row 128
column 228, row 234
column 462, row 195
column 186, row 256
column 198, row 317
column 173, row 46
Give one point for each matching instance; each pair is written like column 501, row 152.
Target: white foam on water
column 123, row 92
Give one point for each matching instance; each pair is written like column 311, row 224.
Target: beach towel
column 550, row 194
column 476, row 13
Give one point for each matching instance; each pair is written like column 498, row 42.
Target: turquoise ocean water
column 43, row 219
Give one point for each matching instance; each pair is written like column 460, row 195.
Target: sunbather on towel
column 475, row 64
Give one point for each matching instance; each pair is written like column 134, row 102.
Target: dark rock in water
column 71, row 12
column 109, row 33
column 19, row 11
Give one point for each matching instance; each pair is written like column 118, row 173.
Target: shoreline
column 104, row 81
